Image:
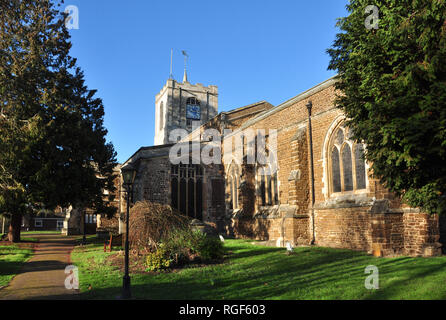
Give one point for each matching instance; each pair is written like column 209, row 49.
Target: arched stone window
column 347, row 168
column 360, row 166
column 231, row 192
column 336, row 170
column 186, row 182
column 193, row 101
column 267, row 187
column 234, row 184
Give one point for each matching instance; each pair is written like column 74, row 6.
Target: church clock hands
column 193, row 112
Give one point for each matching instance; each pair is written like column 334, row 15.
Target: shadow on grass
column 12, row 260
column 415, row 277
column 10, row 267
column 252, row 272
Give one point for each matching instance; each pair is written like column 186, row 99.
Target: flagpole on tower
column 171, row 60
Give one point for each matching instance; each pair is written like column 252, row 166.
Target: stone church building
column 321, row 192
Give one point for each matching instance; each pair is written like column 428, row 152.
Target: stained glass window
column 360, row 166
column 336, row 170
column 347, row 168
column 339, row 137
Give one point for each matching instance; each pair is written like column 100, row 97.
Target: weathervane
column 185, row 65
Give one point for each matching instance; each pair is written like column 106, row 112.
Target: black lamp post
column 128, row 176
column 84, row 237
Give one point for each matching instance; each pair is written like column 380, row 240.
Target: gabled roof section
column 245, row 107
column 143, row 152
column 304, row 95
column 231, row 117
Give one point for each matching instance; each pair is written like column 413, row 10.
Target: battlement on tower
column 178, row 104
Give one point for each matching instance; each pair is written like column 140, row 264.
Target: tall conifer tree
column 392, row 76
column 53, row 150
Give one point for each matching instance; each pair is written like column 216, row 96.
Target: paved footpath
column 43, row 276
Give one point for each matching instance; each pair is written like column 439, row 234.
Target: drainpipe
column 283, row 230
column 309, row 107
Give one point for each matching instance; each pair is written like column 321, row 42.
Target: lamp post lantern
column 128, row 176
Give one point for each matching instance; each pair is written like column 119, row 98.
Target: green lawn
column 11, row 260
column 40, row 232
column 257, row 272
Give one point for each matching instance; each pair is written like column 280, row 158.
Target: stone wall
column 152, row 181
column 343, row 228
column 369, row 219
column 383, row 234
column 213, row 203
column 153, row 178
column 421, row 234
column 372, row 219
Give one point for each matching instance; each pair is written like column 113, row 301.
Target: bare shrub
column 151, row 223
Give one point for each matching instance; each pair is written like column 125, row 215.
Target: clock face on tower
column 193, row 112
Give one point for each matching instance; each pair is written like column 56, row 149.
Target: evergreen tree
column 53, row 150
column 392, row 76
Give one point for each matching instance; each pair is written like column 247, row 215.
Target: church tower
column 178, row 104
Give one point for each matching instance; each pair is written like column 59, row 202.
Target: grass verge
column 40, row 232
column 257, row 272
column 12, row 258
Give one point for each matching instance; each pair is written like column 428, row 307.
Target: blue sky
column 252, row 50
